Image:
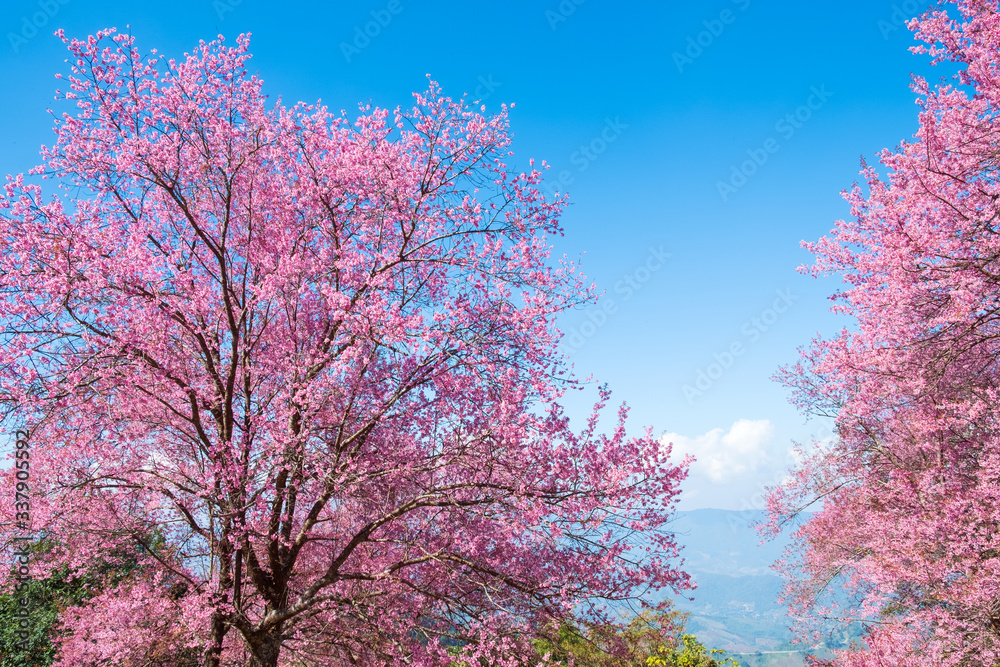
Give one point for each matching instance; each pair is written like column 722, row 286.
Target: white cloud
column 723, row 455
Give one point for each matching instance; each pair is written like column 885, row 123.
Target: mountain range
column 734, row 606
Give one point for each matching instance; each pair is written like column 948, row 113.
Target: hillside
column 734, row 605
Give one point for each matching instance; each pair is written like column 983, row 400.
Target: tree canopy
column 909, row 518
column 318, row 356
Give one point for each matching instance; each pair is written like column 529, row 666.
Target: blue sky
column 719, row 133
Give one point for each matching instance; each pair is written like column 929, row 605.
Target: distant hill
column 749, row 596
column 725, row 542
column 734, row 606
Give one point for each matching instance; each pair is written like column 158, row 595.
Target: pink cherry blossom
column 909, row 494
column 317, row 356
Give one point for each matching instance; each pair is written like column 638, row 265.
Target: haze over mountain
column 734, row 605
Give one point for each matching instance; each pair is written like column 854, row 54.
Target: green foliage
column 689, row 653
column 46, row 598
column 649, row 640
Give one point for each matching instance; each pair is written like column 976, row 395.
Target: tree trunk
column 213, row 656
column 264, row 649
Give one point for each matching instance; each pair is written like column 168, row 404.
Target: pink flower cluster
column 909, row 518
column 316, row 358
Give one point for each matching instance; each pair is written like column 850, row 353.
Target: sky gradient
column 699, row 142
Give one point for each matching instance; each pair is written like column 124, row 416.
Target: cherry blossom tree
column 317, row 359
column 908, row 521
